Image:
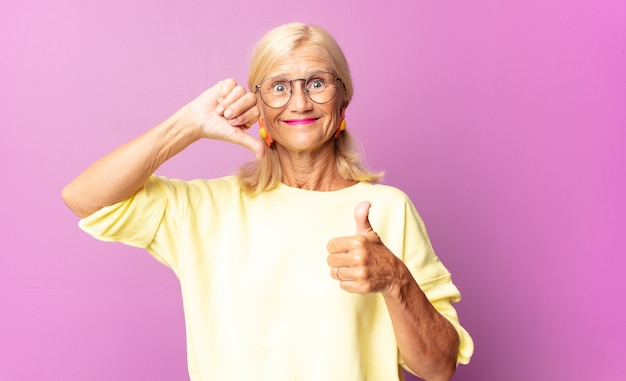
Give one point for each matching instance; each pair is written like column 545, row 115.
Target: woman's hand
column 362, row 263
column 224, row 112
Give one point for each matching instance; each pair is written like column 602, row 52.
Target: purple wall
column 504, row 121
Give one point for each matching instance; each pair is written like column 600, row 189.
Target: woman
column 285, row 274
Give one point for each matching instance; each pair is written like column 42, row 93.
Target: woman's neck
column 315, row 171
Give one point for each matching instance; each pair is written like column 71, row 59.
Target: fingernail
column 228, row 114
column 219, row 109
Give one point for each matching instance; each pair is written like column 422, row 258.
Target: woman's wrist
column 399, row 285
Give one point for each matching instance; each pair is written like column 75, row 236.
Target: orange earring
column 342, row 126
column 264, row 134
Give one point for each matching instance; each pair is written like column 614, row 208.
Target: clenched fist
column 224, row 112
column 361, row 262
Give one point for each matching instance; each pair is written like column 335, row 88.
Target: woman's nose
column 299, row 97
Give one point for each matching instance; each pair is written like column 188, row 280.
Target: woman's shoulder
column 230, row 182
column 196, row 188
column 388, row 192
column 219, row 182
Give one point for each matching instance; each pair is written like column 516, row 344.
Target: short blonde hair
column 278, row 43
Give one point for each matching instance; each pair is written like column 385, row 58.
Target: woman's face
column 302, row 125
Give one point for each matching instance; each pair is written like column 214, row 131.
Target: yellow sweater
column 259, row 300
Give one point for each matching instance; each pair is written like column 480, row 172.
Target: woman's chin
column 305, row 143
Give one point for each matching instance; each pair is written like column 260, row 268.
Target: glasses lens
column 319, row 87
column 275, row 92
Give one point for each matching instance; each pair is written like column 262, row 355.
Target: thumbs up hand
column 362, row 263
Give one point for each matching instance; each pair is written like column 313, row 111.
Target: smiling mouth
column 295, row 122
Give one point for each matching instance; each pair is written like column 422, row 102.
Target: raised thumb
column 361, row 217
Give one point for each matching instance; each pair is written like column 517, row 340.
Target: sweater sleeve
column 433, row 277
column 148, row 219
column 403, row 231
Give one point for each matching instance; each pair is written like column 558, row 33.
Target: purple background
column 504, row 122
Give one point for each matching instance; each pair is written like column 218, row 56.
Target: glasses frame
column 306, row 91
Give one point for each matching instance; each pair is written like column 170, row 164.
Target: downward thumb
column 254, row 145
column 361, row 217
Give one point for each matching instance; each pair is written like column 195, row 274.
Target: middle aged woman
column 299, row 268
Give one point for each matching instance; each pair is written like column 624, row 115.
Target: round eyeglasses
column 276, row 92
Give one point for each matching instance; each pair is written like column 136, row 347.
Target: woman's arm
column 222, row 112
column 427, row 342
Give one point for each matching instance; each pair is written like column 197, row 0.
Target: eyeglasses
column 276, row 92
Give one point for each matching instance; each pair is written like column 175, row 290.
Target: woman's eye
column 279, row 87
column 316, row 84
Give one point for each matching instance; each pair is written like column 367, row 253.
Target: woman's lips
column 295, row 122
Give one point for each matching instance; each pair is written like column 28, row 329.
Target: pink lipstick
column 295, row 122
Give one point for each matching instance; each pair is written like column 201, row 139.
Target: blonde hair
column 266, row 174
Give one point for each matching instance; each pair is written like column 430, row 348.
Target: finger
column 247, row 141
column 225, row 86
column 361, row 217
column 243, row 112
column 340, row 273
column 338, row 245
column 345, row 245
column 222, row 89
column 233, row 97
column 339, row 259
